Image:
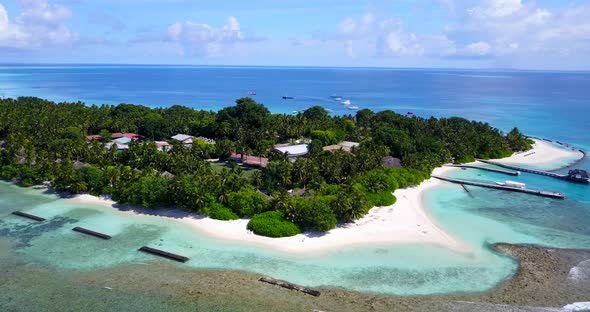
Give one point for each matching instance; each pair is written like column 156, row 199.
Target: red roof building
column 131, row 136
column 250, row 160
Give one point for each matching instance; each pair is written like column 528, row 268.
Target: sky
column 524, row 34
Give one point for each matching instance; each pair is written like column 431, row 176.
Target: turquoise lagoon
column 479, row 218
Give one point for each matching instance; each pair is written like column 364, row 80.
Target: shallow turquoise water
column 387, row 269
column 479, row 218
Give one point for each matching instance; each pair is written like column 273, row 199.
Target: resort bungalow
column 120, row 146
column 93, row 137
column 130, row 136
column 163, row 146
column 292, row 150
column 184, row 138
column 250, row 160
column 123, row 140
column 346, row 146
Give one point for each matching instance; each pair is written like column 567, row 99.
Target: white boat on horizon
column 346, row 102
column 353, row 107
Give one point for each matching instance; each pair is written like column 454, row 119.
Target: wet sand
column 541, row 281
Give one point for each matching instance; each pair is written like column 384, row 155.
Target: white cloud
column 188, row 33
column 204, row 39
column 478, row 48
column 398, row 43
column 41, row 12
column 494, row 30
column 523, row 30
column 498, row 8
column 40, row 24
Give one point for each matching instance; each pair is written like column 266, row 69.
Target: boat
column 346, row 102
column 512, row 184
column 251, row 92
column 578, row 176
column 337, row 98
column 410, row 113
column 353, row 107
column 286, row 97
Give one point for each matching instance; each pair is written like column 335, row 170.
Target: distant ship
column 353, row 107
column 336, row 97
column 286, row 97
column 251, row 92
column 346, row 102
column 410, row 113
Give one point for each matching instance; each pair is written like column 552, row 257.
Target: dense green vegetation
column 272, row 224
column 45, row 141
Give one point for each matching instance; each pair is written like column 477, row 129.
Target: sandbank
column 545, row 154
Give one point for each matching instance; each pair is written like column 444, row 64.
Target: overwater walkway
column 502, row 187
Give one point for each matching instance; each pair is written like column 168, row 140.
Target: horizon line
column 507, row 69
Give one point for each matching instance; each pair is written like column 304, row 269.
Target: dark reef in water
column 25, row 233
column 544, row 279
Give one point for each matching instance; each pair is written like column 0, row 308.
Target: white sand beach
column 405, row 222
column 545, row 154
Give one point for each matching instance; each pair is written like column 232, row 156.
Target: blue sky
column 529, row 34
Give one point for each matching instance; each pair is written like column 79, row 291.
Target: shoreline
column 408, row 221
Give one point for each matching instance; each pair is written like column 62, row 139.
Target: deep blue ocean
column 550, row 104
column 554, row 105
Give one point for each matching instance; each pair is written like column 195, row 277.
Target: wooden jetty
column 502, row 187
column 29, row 216
column 91, row 233
column 288, row 285
column 164, row 254
column 514, row 173
column 533, row 171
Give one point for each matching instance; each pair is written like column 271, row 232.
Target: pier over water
column 502, row 187
column 513, row 173
column 564, row 177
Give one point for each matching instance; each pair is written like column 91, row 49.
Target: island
column 276, row 175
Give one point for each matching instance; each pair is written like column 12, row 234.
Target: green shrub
column 272, row 224
column 381, row 199
column 317, row 213
column 8, row 172
column 219, row 212
column 247, row 202
column 467, row 159
column 378, row 181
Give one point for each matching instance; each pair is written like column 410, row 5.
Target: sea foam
column 578, row 306
column 580, row 272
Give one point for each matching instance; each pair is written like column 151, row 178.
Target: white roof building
column 349, row 144
column 119, row 146
column 184, row 138
column 293, row 150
